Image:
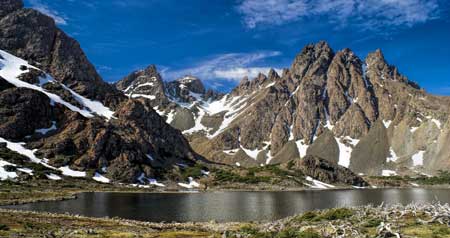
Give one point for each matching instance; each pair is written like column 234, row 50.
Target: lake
column 228, row 206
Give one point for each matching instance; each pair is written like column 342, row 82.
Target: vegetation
column 270, row 174
column 443, row 177
column 193, row 171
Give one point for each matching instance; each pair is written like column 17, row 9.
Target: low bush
column 337, row 213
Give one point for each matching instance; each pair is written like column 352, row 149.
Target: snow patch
column 53, row 176
column 387, row 173
column 345, row 151
column 135, row 95
column 317, row 184
column 10, row 70
column 231, row 152
column 5, row 175
column 155, row 182
column 393, row 156
column 251, row 153
column 44, row 131
column 72, row 173
column 100, row 178
column 302, row 147
column 417, row 158
column 190, row 185
column 19, row 148
column 437, row 122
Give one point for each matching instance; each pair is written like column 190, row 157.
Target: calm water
column 228, row 206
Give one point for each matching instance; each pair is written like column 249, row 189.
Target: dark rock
column 9, row 6
column 327, row 172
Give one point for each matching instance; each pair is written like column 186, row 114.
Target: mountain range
column 360, row 114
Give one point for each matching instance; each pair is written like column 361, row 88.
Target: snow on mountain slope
column 322, row 91
column 11, row 68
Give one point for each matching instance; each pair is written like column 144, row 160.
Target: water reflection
column 229, row 206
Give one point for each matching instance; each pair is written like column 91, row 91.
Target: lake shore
column 13, row 193
column 413, row 220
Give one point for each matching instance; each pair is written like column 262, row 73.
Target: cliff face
column 52, row 98
column 361, row 114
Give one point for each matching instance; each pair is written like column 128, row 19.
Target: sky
column 221, row 41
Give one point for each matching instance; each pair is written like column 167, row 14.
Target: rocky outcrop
column 369, row 155
column 325, row 147
column 327, row 172
column 62, row 109
column 146, row 83
column 31, row 35
column 9, row 6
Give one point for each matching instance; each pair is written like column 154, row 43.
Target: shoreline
column 73, row 194
column 412, row 220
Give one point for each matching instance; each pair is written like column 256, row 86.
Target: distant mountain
column 52, row 98
column 363, row 115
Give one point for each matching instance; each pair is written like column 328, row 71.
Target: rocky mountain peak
column 34, row 36
column 151, row 71
column 273, row 75
column 313, row 57
column 192, row 84
column 9, row 6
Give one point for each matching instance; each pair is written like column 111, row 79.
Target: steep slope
column 53, row 100
column 363, row 115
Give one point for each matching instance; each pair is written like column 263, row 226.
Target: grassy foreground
column 423, row 221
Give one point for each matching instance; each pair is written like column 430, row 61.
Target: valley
column 333, row 145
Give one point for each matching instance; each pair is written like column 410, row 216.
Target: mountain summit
column 71, row 121
column 361, row 114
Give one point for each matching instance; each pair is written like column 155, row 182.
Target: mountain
column 69, row 119
column 363, row 115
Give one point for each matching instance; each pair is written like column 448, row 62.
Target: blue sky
column 220, row 41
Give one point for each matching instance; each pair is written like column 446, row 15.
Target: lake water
column 228, row 206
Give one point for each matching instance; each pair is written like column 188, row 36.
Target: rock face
column 52, row 98
column 33, row 36
column 182, row 102
column 361, row 114
column 327, row 172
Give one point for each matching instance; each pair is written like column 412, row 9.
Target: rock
column 325, row 147
column 17, row 106
column 135, row 141
column 31, row 35
column 327, row 172
column 369, row 155
column 9, row 6
column 146, row 83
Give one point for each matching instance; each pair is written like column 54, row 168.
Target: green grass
column 4, row 227
column 194, row 171
column 337, row 214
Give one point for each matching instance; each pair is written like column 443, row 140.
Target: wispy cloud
column 374, row 15
column 230, row 67
column 44, row 8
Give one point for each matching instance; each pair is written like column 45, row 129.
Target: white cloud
column 228, row 67
column 45, row 9
column 366, row 14
column 238, row 73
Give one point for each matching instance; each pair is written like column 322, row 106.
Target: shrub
column 293, row 233
column 308, row 216
column 373, row 222
column 194, row 171
column 4, row 227
column 337, row 213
